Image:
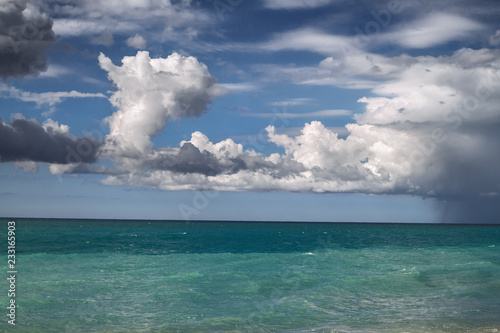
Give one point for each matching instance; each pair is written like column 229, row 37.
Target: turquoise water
column 140, row 276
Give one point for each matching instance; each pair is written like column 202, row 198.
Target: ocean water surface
column 152, row 276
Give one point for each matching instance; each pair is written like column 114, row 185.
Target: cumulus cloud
column 431, row 131
column 25, row 35
column 137, row 42
column 151, row 91
column 430, row 128
column 200, row 156
column 27, row 166
column 315, row 161
column 201, row 164
column 80, row 168
column 426, row 88
column 25, row 140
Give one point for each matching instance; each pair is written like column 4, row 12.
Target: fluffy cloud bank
column 431, row 130
column 315, row 161
column 25, row 35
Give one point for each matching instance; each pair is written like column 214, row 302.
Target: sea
column 176, row 276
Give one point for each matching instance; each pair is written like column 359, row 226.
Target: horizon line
column 245, row 221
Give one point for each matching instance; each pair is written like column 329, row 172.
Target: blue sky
column 320, row 110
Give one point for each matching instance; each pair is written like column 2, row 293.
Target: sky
column 264, row 110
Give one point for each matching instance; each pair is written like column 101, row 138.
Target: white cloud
column 306, row 39
column 238, row 87
column 137, row 42
column 364, row 70
column 430, row 131
column 494, row 40
column 56, row 71
column 94, row 81
column 314, row 114
column 59, row 169
column 367, row 155
column 151, row 91
column 433, row 30
column 430, row 128
column 53, row 126
column 27, row 166
column 317, row 161
column 46, row 99
column 130, row 10
column 292, row 102
column 340, row 71
column 296, row 4
column 296, row 131
column 67, row 27
column 92, row 18
column 303, row 39
column 431, row 88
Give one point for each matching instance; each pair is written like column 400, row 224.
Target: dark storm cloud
column 470, row 209
column 468, row 182
column 25, row 36
column 189, row 159
column 27, row 140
